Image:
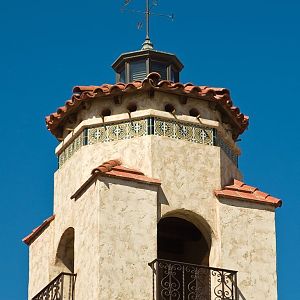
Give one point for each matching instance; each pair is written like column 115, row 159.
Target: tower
column 149, row 202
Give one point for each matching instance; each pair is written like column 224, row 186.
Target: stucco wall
column 249, row 246
column 127, row 219
column 40, row 254
column 86, row 246
column 189, row 174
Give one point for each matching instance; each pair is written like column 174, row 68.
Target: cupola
column 138, row 65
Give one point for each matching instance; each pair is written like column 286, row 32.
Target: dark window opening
column 174, row 75
column 160, row 68
column 180, row 240
column 122, row 76
column 181, row 246
column 65, row 251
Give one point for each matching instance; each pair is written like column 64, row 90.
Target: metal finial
column 147, row 45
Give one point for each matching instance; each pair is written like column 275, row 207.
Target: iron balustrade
column 174, row 280
column 60, row 288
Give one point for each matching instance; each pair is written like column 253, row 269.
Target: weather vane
column 148, row 12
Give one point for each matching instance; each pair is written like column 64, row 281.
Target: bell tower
column 149, row 202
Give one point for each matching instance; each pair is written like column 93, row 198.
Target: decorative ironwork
column 125, row 130
column 181, row 281
column 60, row 288
column 148, row 13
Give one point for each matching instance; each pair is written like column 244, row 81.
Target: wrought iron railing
column 60, row 288
column 181, row 281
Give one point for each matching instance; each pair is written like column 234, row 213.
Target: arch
column 184, row 236
column 65, row 251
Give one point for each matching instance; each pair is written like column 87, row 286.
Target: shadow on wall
column 65, row 252
column 240, row 296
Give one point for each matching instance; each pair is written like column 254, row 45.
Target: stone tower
column 149, row 202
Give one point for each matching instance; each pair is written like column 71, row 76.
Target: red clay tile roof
column 36, row 231
column 81, row 94
column 114, row 168
column 239, row 190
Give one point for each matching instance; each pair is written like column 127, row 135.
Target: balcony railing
column 181, row 281
column 60, row 288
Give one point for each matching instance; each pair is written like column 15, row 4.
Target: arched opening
column 65, row 251
column 180, row 240
column 183, row 256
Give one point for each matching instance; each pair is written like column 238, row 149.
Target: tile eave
column 276, row 203
column 36, row 231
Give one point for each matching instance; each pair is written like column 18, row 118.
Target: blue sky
column 47, row 47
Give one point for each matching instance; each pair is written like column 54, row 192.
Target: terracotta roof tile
column 81, row 94
column 36, row 231
column 114, row 168
column 239, row 190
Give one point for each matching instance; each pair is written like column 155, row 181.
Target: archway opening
column 65, row 251
column 180, row 240
column 183, row 256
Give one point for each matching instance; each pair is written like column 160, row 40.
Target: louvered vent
column 160, row 69
column 138, row 70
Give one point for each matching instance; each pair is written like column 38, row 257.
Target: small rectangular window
column 174, row 75
column 138, row 70
column 122, row 76
column 160, row 68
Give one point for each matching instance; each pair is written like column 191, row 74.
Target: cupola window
column 160, row 68
column 122, row 75
column 174, row 75
column 138, row 70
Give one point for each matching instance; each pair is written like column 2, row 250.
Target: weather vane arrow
column 147, row 45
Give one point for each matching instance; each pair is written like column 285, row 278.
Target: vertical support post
column 127, row 72
column 235, row 287
column 183, row 283
column 62, row 286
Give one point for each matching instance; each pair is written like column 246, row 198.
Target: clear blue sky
column 47, row 47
